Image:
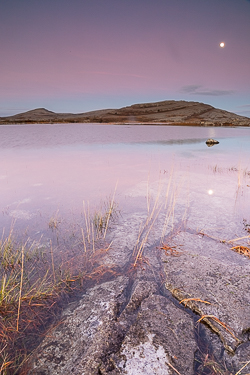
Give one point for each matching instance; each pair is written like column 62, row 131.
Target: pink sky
column 76, row 56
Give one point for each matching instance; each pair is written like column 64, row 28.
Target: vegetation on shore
column 36, row 282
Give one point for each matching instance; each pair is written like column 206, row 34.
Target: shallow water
column 49, row 170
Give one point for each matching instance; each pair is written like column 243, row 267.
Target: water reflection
column 45, row 168
column 175, row 142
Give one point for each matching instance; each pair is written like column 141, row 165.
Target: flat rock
column 132, row 326
column 119, row 329
column 85, row 334
column 162, row 337
column 222, row 280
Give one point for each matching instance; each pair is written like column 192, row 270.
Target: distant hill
column 169, row 112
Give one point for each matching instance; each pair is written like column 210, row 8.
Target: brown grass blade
column 186, row 300
column 240, row 238
column 244, row 250
column 238, row 372
column 20, row 294
column 177, row 372
column 170, row 250
column 219, row 322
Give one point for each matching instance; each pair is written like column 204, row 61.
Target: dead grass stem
column 186, row 300
column 32, row 287
column 242, row 368
column 225, row 326
column 244, row 250
column 172, row 367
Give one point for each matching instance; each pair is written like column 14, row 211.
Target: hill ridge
column 167, row 112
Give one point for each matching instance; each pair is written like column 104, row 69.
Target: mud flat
column 183, row 309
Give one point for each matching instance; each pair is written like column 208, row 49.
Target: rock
column 162, row 337
column 222, row 280
column 85, row 335
column 211, row 142
column 116, row 329
column 132, row 325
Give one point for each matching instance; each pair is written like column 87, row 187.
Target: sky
column 82, row 55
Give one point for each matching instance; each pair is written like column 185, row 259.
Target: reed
column 208, row 364
column 33, row 285
column 54, row 221
column 96, row 225
column 164, row 204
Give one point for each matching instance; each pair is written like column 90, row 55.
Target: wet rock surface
column 112, row 333
column 135, row 324
column 216, row 290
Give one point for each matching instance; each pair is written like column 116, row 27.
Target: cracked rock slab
column 218, row 280
column 76, row 345
column 161, row 337
column 118, row 328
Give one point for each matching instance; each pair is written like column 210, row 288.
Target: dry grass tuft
column 244, row 250
column 209, row 365
column 170, row 250
column 33, row 289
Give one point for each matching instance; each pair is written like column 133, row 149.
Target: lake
column 139, row 206
column 48, row 171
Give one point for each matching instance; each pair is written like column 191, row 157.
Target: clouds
column 85, row 55
column 244, row 110
column 200, row 90
column 244, row 105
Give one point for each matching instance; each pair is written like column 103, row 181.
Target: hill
column 169, row 112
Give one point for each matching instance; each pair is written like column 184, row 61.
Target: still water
column 49, row 170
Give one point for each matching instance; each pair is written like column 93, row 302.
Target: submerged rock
column 86, row 334
column 134, row 326
column 162, row 337
column 212, row 281
column 116, row 329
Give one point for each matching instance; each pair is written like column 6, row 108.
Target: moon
column 222, row 45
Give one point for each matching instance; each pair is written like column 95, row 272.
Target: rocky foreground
column 184, row 309
column 169, row 112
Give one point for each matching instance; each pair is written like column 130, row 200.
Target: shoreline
column 168, row 112
column 226, row 125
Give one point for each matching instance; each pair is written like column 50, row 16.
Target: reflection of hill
column 166, row 112
column 176, row 142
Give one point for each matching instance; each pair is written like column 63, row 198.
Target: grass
column 244, row 250
column 246, row 225
column 54, row 222
column 170, row 250
column 210, row 366
column 164, row 203
column 240, row 249
column 225, row 326
column 21, row 292
column 35, row 285
column 101, row 219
